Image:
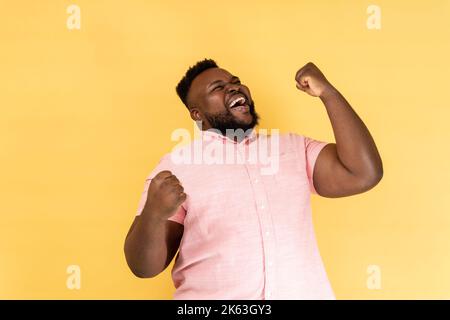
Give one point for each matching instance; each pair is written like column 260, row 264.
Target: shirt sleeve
column 312, row 150
column 164, row 164
column 309, row 149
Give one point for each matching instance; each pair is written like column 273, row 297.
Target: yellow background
column 86, row 114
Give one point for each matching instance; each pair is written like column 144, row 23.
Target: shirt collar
column 212, row 134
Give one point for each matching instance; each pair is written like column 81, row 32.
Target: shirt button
column 267, row 233
column 270, row 263
column 263, row 207
column 256, row 180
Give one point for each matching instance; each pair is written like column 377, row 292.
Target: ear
column 195, row 114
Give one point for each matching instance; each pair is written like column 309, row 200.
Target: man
column 242, row 234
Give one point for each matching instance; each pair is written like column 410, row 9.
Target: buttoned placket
column 264, row 216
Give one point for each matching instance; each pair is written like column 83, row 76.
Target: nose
column 232, row 87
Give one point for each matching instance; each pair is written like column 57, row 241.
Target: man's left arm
column 352, row 165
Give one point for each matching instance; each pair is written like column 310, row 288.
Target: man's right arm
column 153, row 240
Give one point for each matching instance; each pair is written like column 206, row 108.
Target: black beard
column 226, row 120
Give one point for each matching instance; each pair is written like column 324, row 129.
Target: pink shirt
column 247, row 235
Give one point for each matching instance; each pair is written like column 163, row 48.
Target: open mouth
column 238, row 103
column 244, row 108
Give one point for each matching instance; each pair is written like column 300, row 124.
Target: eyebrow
column 233, row 78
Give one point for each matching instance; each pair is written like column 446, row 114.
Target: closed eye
column 238, row 82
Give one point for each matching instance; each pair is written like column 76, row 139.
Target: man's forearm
column 355, row 146
column 145, row 247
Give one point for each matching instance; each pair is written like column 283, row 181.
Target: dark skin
column 350, row 166
column 209, row 93
column 152, row 240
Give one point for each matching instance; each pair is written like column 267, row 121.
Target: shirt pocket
column 291, row 180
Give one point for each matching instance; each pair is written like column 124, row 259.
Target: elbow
column 377, row 175
column 372, row 179
column 139, row 268
column 141, row 274
column 380, row 174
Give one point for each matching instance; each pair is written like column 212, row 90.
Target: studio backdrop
column 88, row 105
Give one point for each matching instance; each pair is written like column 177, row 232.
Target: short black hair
column 185, row 84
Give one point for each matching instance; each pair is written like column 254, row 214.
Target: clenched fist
column 165, row 195
column 311, row 80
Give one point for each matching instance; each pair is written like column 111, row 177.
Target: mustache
column 226, row 120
